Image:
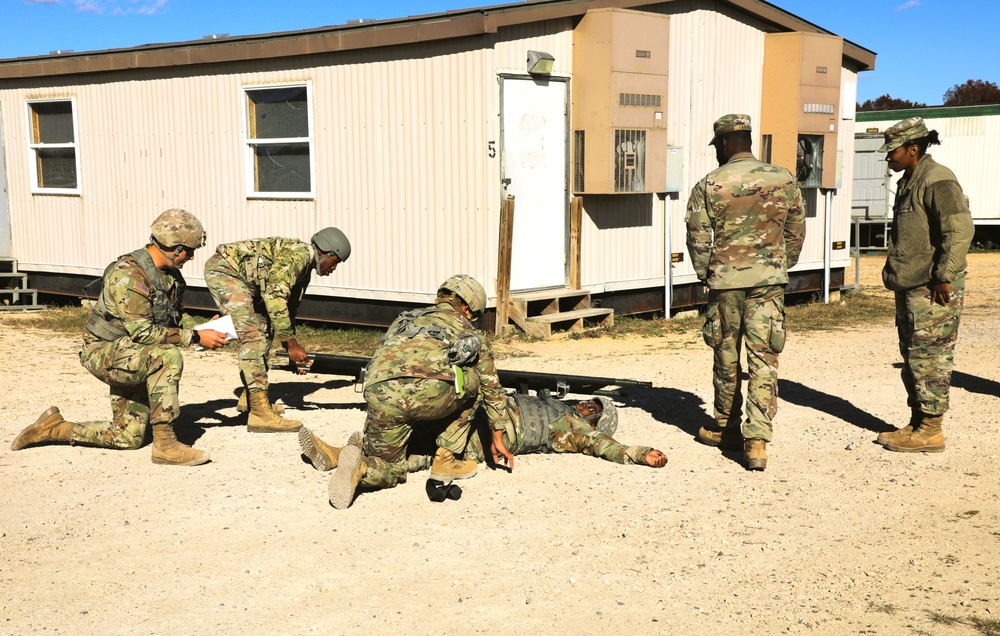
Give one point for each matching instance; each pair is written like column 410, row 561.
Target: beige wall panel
column 622, row 241
column 708, row 51
column 404, row 169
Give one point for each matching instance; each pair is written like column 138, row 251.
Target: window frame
column 250, row 144
column 34, row 147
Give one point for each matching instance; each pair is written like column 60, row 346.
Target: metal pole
column 827, row 246
column 857, row 254
column 668, row 273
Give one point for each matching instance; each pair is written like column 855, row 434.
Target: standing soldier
column 925, row 267
column 131, row 344
column 432, row 368
column 260, row 283
column 745, row 228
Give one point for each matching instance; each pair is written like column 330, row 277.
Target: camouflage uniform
column 546, row 425
column 260, row 283
column 411, row 383
column 131, row 344
column 930, row 237
column 745, row 228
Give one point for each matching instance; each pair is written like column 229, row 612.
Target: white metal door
column 534, row 159
column 4, row 209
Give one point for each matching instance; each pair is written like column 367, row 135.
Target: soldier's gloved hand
column 941, row 293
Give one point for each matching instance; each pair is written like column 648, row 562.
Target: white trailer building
column 965, row 131
column 410, row 134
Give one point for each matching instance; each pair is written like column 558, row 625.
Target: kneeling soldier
column 132, row 343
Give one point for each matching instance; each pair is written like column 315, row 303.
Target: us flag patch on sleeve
column 139, row 287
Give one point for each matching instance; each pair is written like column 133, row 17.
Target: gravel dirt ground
column 837, row 536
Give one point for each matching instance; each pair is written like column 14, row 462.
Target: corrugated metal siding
column 399, row 149
column 963, row 140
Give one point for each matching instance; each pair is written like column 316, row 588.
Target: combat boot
column 347, row 476
column 243, row 407
column 49, row 427
column 167, row 450
column 726, row 438
column 447, row 467
column 263, row 419
column 900, row 433
column 320, row 454
column 927, row 438
column 755, row 454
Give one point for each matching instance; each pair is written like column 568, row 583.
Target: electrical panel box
column 675, row 169
column 801, row 103
column 619, row 98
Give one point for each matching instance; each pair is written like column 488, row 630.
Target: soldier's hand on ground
column 941, row 294
column 499, row 450
column 212, row 339
column 656, row 459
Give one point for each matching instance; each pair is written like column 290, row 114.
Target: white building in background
column 409, row 133
column 965, row 132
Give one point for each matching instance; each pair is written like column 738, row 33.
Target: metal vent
column 579, row 143
column 818, row 109
column 639, row 99
column 630, row 160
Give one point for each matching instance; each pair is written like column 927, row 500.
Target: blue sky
column 924, row 46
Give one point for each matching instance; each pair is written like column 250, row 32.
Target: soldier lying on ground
column 259, row 283
column 539, row 424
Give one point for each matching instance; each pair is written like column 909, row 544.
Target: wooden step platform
column 544, row 313
column 15, row 294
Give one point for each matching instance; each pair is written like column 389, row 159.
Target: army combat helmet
column 608, row 422
column 178, row 228
column 331, row 240
column 468, row 289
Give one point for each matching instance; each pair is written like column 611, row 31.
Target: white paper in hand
column 223, row 325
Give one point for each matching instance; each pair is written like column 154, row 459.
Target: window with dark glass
column 279, row 141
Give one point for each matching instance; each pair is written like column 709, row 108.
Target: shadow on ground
column 802, row 395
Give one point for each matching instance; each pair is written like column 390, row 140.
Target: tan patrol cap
column 902, row 132
column 729, row 123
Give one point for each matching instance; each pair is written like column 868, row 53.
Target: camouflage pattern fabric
column 411, row 384
column 144, row 381
column 568, row 432
column 142, row 368
column 260, row 283
column 745, row 224
column 745, row 228
column 396, row 407
column 928, row 333
column 759, row 314
column 403, row 355
column 928, row 244
column 148, row 308
column 931, row 231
